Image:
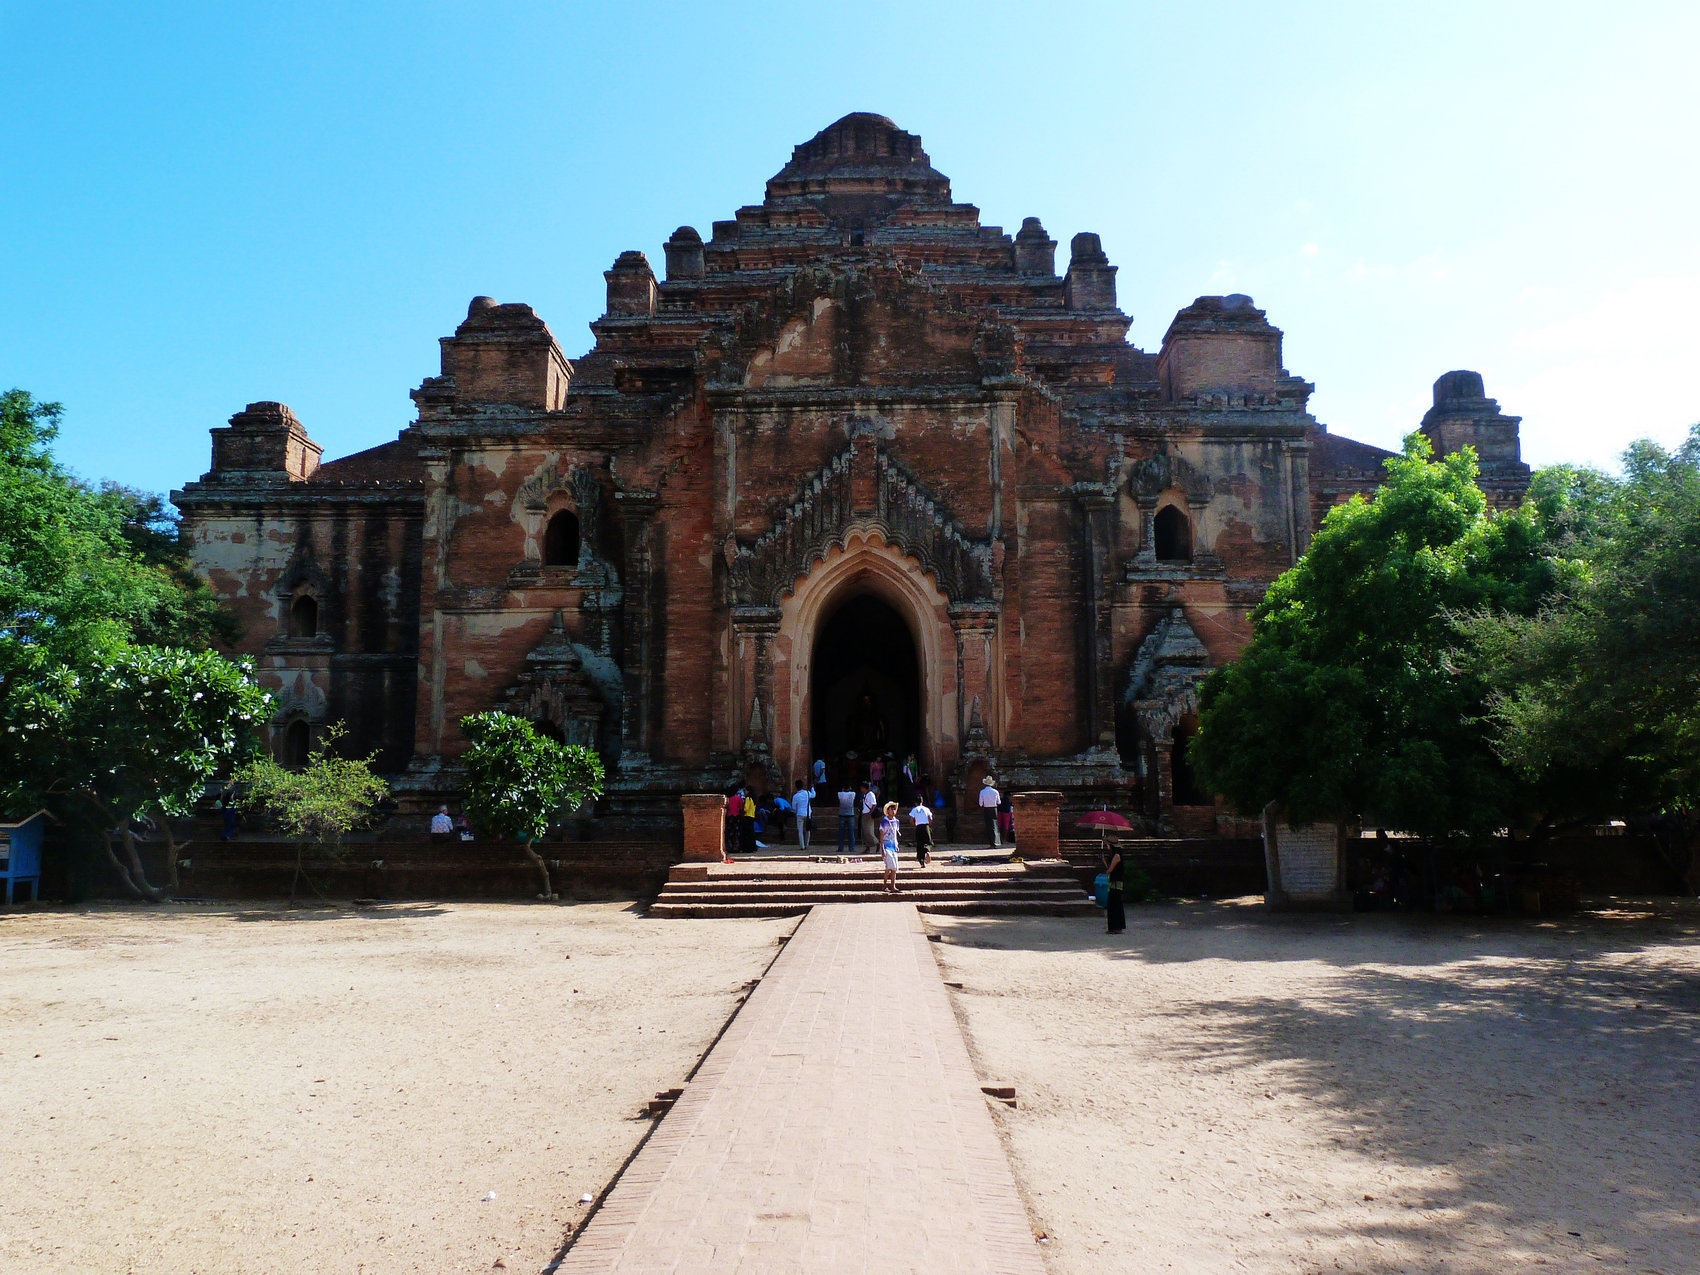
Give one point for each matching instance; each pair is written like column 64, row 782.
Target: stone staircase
column 788, row 886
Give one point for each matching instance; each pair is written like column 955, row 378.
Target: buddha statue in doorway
column 866, row 730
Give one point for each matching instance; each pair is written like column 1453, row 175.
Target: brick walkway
column 837, row 1126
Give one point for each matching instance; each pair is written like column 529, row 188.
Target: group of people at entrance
column 755, row 821
column 856, row 812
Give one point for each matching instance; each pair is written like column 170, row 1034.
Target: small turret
column 506, row 354
column 631, row 284
column 1464, row 416
column 1220, row 347
column 1091, row 280
column 264, row 440
column 684, row 255
column 1035, row 251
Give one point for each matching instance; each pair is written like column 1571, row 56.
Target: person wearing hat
column 990, row 799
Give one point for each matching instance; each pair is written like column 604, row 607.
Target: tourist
column 463, row 827
column 747, row 823
column 989, row 802
column 911, row 777
column 870, row 804
column 820, row 773
column 227, row 806
column 888, row 847
column 876, row 772
column 441, row 825
column 922, row 817
column 802, row 808
column 1116, row 912
column 846, row 819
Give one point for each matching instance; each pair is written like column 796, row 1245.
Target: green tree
column 1604, row 681
column 83, row 571
column 518, row 782
column 128, row 742
column 95, row 721
column 1347, row 701
column 319, row 804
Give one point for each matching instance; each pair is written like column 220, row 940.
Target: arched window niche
column 304, row 617
column 561, row 539
column 1171, row 533
column 297, row 744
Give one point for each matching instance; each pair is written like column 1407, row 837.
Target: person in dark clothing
column 1115, row 909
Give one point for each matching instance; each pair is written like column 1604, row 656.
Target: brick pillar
column 1098, row 507
column 705, row 827
column 1038, row 818
column 976, row 624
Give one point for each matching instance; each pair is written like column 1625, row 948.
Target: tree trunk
column 134, row 877
column 542, row 868
column 171, row 851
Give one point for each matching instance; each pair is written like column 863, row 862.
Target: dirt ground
column 1218, row 1089
column 425, row 1087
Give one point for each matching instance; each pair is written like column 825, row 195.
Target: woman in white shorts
column 888, row 847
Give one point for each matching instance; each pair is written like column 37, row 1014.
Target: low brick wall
column 427, row 870
column 1217, row 868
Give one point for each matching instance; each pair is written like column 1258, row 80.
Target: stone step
column 868, row 895
column 829, row 879
column 971, row 907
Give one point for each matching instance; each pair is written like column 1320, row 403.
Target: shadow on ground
column 1543, row 1076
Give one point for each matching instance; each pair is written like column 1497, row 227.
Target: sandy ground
column 1218, row 1089
column 190, row 1089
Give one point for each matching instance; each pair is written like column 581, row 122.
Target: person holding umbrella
column 1115, row 910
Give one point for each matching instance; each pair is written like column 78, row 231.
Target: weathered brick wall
column 1004, row 453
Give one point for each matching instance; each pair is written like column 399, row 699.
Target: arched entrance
column 858, row 573
column 865, row 689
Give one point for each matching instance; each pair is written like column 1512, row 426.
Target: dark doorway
column 560, row 540
column 304, row 617
column 865, row 686
column 1173, row 534
column 1186, row 789
column 297, row 745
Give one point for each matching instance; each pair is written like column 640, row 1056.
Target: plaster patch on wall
column 475, row 669
column 494, row 623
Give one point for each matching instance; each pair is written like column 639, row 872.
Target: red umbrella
column 1102, row 819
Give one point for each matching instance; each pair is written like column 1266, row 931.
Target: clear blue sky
column 212, row 204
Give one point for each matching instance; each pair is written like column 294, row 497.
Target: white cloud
column 1309, row 250
column 1428, row 270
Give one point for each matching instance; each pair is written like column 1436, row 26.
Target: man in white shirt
column 441, row 824
column 802, row 803
column 846, row 819
column 922, row 817
column 870, row 827
column 989, row 801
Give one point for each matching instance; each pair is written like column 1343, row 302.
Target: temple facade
column 856, row 475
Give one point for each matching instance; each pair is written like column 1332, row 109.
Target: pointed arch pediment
column 1163, row 471
column 824, row 512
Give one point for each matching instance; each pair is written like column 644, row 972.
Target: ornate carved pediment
column 559, row 690
column 303, row 571
column 580, row 482
column 826, row 509
column 1162, row 681
column 1162, row 470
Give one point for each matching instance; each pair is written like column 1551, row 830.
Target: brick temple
column 855, row 475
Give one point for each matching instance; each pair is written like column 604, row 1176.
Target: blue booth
column 20, row 854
